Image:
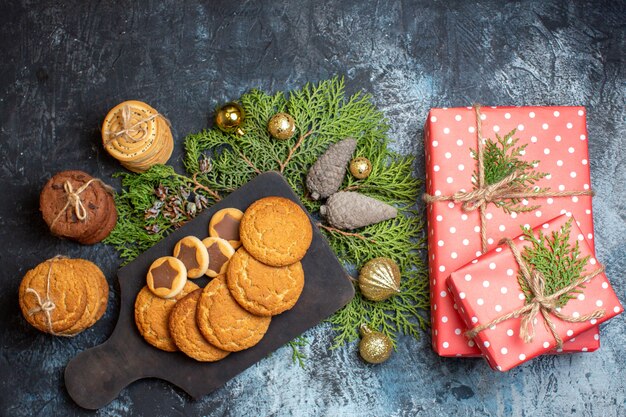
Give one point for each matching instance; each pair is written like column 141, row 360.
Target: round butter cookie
column 261, row 289
column 276, row 231
column 224, row 323
column 186, row 334
column 52, row 296
column 152, row 315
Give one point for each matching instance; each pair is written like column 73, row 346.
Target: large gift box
column 530, row 293
column 547, row 144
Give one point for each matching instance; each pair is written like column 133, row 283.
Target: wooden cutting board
column 96, row 376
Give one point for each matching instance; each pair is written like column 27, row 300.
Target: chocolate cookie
column 152, row 316
column 77, row 206
column 224, row 323
column 166, row 277
column 276, row 231
column 185, row 332
column 220, row 251
column 225, row 224
column 192, row 252
column 261, row 289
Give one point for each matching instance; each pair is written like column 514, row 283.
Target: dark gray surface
column 64, row 64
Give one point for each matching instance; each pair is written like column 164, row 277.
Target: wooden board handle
column 96, row 376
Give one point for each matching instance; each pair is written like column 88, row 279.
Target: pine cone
column 326, row 174
column 350, row 210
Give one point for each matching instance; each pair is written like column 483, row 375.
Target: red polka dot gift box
column 531, row 293
column 533, row 167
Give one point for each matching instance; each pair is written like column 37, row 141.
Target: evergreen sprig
column 502, row 158
column 558, row 261
column 222, row 162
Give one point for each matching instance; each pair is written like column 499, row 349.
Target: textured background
column 66, row 63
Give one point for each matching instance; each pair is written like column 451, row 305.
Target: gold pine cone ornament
column 374, row 347
column 379, row 279
column 230, row 117
column 282, row 126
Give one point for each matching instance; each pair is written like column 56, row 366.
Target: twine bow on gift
column 46, row 305
column 505, row 189
column 74, row 201
column 134, row 132
column 540, row 302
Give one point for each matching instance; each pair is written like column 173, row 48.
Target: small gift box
column 531, row 165
column 530, row 294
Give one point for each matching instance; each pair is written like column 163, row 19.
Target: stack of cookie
column 63, row 296
column 137, row 135
column 261, row 279
column 77, row 206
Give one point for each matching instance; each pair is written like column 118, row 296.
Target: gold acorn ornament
column 360, row 168
column 281, row 126
column 229, row 118
column 379, row 279
column 374, row 347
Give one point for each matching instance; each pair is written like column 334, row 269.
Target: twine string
column 73, row 199
column 45, row 305
column 481, row 196
column 547, row 305
column 134, row 132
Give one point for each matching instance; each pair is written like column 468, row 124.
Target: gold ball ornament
column 360, row 167
column 281, row 126
column 229, row 118
column 374, row 347
column 379, row 279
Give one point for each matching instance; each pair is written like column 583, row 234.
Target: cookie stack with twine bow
column 77, row 206
column 63, row 296
column 137, row 135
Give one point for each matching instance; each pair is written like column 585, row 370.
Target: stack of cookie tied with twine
column 77, row 206
column 137, row 135
column 262, row 278
column 63, row 296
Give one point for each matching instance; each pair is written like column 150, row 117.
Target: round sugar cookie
column 185, row 332
column 220, row 252
column 276, row 231
column 192, row 252
column 262, row 289
column 52, row 296
column 224, row 323
column 97, row 295
column 152, row 316
column 225, row 224
column 166, row 277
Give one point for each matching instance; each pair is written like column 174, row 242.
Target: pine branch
column 218, row 163
column 558, row 261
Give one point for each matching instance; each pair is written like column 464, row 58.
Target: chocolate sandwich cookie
column 166, row 277
column 276, row 231
column 225, row 224
column 220, row 251
column 192, row 252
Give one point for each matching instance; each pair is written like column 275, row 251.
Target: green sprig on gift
column 502, row 158
column 556, row 258
column 154, row 203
